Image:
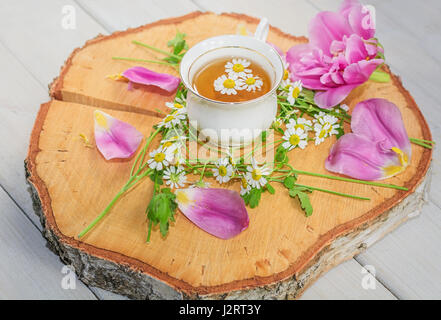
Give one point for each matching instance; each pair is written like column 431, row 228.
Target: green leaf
column 246, row 198
column 270, row 188
column 302, row 195
column 178, row 38
column 289, row 182
column 380, row 76
column 281, row 155
column 161, row 210
column 179, row 47
column 255, row 195
column 305, row 203
column 340, row 131
column 280, row 130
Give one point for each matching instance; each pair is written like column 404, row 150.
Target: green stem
column 422, row 144
column 106, row 210
column 134, row 178
column 144, row 60
column 157, row 50
column 323, row 190
column 422, row 140
column 149, row 231
column 333, row 192
column 371, row 183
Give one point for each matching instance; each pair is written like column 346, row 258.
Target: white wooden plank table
column 33, row 46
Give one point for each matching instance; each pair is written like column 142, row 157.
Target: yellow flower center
column 322, row 134
column 222, row 171
column 285, row 74
column 229, row 84
column 244, row 183
column 167, row 144
column 159, row 157
column 256, row 174
column 178, row 106
column 294, row 140
column 295, row 92
column 169, row 118
column 250, row 81
column 238, row 67
column 299, row 125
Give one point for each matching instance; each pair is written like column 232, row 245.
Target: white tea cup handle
column 262, row 30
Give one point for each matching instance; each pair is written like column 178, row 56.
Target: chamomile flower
column 295, row 138
column 223, row 170
column 302, row 123
column 251, row 83
column 328, row 122
column 178, row 157
column 294, row 91
column 173, row 142
column 244, row 186
column 159, row 159
column 277, row 123
column 286, row 82
column 320, row 133
column 344, row 107
column 177, row 106
column 237, row 68
column 175, row 177
column 256, row 175
column 228, row 85
column 172, row 119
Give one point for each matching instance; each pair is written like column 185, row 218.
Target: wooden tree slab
column 281, row 252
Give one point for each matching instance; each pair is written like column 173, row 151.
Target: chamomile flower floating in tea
column 252, row 83
column 228, row 85
column 232, row 80
column 237, row 68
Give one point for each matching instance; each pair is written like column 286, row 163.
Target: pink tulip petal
column 361, row 71
column 333, row 96
column 379, row 146
column 359, row 18
column 355, row 49
column 380, row 120
column 340, row 55
column 357, row 157
column 220, row 212
column 326, row 27
column 115, row 138
column 145, row 76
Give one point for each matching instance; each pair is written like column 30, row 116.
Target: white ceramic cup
column 233, row 124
